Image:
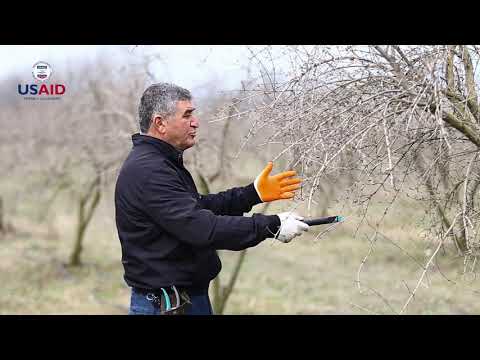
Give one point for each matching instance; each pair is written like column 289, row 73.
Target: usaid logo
column 41, row 72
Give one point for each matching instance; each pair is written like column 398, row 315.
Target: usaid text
column 44, row 89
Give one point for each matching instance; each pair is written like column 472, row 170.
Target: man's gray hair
column 160, row 99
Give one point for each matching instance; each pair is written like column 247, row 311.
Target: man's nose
column 195, row 122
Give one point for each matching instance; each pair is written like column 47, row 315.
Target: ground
column 305, row 276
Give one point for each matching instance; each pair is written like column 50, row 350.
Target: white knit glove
column 291, row 226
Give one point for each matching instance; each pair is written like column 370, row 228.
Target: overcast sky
column 187, row 65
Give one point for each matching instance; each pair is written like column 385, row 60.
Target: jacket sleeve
column 236, row 201
column 177, row 212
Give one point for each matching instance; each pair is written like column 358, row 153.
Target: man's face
column 181, row 128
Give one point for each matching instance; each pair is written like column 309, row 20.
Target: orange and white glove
column 276, row 187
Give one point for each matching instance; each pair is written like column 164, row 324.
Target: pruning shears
column 324, row 220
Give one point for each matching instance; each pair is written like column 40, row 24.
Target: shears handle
column 323, row 220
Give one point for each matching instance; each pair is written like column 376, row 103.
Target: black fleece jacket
column 168, row 232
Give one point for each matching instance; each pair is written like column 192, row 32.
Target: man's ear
column 159, row 123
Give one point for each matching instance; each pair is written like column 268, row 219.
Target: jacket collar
column 165, row 148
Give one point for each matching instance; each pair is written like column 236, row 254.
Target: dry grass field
column 306, row 276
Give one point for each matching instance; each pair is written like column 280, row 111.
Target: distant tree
column 77, row 144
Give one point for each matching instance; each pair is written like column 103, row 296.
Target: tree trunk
column 221, row 293
column 84, row 218
column 459, row 241
column 224, row 293
column 2, row 225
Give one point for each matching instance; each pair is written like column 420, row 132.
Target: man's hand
column 276, row 187
column 291, row 226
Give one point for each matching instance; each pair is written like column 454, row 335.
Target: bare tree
column 383, row 117
column 81, row 141
column 105, row 150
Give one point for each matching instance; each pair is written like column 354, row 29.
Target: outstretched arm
column 177, row 212
column 265, row 188
column 236, row 201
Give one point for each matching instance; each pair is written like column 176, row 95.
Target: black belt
column 189, row 289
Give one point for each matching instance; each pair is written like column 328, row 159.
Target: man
column 169, row 233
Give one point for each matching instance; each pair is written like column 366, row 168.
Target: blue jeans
column 139, row 305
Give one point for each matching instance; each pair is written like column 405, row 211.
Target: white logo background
column 41, row 71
